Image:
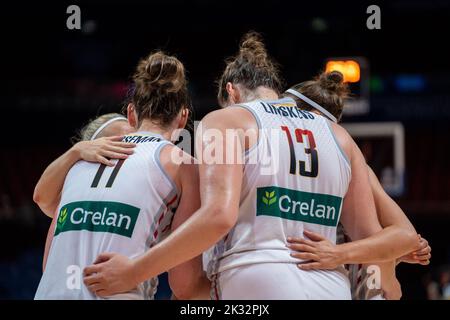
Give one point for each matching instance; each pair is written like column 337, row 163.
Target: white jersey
column 295, row 178
column 124, row 209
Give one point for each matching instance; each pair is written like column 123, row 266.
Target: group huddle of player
column 128, row 204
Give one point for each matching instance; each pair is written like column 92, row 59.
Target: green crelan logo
column 62, row 219
column 269, row 198
column 317, row 208
column 98, row 216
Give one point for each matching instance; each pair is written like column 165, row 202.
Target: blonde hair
column 87, row 132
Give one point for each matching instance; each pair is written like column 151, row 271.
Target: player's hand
column 101, row 150
column 420, row 256
column 319, row 252
column 110, row 274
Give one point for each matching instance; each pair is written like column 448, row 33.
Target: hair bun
column 252, row 48
column 251, row 67
column 160, row 73
column 333, row 81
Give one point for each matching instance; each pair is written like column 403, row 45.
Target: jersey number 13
column 311, row 151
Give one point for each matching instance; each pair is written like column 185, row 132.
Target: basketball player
column 251, row 214
column 129, row 207
column 314, row 94
column 99, row 139
column 325, row 95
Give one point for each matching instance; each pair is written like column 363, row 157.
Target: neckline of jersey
column 148, row 133
column 284, row 99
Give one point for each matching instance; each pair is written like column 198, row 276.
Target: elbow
column 223, row 218
column 412, row 240
column 37, row 196
column 407, row 241
column 46, row 207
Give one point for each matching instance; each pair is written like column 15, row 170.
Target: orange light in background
column 349, row 68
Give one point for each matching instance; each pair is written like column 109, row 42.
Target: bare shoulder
column 233, row 117
column 178, row 164
column 171, row 153
column 344, row 139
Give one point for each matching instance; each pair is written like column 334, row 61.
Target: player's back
column 295, row 178
column 124, row 209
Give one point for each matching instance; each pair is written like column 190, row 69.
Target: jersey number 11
column 111, row 179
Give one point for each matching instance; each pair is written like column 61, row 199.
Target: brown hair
column 160, row 88
column 89, row 129
column 251, row 67
column 327, row 89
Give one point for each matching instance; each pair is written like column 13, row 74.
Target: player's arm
column 48, row 241
column 188, row 280
column 47, row 192
column 360, row 220
column 220, row 186
column 389, row 213
column 420, row 256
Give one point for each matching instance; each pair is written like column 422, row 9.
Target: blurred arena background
column 55, row 80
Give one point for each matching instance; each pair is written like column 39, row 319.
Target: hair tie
column 103, row 126
column 313, row 104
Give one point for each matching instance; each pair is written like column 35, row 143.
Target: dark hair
column 159, row 88
column 250, row 67
column 328, row 90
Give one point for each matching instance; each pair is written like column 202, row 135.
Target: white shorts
column 280, row 281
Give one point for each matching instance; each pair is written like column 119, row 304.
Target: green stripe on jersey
column 317, row 208
column 98, row 216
